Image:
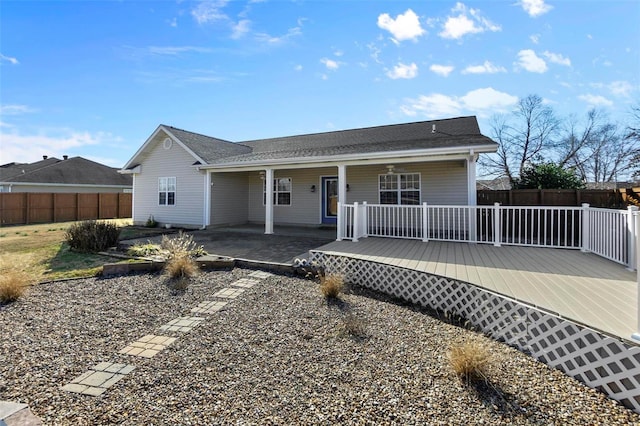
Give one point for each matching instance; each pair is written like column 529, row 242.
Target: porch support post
column 268, row 205
column 208, row 187
column 497, row 225
column 342, row 199
column 632, row 232
column 472, row 195
column 585, row 228
column 425, row 222
column 356, row 222
column 636, row 335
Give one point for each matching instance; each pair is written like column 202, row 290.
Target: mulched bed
column 279, row 354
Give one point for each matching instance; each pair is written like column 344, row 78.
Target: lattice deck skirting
column 601, row 362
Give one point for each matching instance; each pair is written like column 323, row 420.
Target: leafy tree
column 548, row 176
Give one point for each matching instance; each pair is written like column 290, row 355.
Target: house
column 191, row 180
column 69, row 175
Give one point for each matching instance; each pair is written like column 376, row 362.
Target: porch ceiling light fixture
column 391, row 169
column 348, row 188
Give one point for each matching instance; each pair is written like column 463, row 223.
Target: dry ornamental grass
column 470, row 360
column 331, row 285
column 13, row 284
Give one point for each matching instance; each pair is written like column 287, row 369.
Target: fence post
column 340, row 219
column 636, row 335
column 425, row 223
column 356, row 222
column 497, row 225
column 632, row 232
column 585, row 228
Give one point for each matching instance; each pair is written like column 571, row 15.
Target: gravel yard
column 278, row 354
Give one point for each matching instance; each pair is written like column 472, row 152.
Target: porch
column 582, row 287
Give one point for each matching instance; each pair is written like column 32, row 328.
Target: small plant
column 144, row 250
column 180, row 270
column 13, row 284
column 181, row 245
column 151, row 222
column 92, row 236
column 331, row 285
column 470, row 360
column 354, row 326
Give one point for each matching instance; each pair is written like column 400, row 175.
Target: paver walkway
column 105, row 374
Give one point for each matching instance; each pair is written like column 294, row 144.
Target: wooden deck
column 582, row 287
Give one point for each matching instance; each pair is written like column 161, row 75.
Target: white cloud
column 535, row 38
column 595, row 100
column 11, row 60
column 621, row 88
column 535, row 8
column 209, row 11
column 12, row 109
column 405, row 27
column 482, row 102
column 176, row 50
column 529, row 61
column 240, row 29
column 173, row 22
column 338, row 53
column 27, row 148
column 298, row 67
column 330, row 64
column 273, row 40
column 557, row 58
column 403, row 71
column 486, row 68
column 463, row 21
column 443, row 70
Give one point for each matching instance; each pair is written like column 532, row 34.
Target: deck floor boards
column 579, row 286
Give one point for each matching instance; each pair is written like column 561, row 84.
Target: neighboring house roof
column 72, row 171
column 462, row 132
column 497, row 184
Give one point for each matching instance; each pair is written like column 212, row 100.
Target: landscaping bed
column 279, row 354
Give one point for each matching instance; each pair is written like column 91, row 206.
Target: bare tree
column 524, row 136
column 633, row 135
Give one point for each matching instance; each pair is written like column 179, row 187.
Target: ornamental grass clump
column 181, row 245
column 331, row 285
column 470, row 360
column 13, row 284
column 180, row 270
column 92, row 236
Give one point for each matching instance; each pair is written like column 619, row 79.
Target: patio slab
column 99, row 378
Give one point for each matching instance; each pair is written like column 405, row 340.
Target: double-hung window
column 167, row 191
column 281, row 192
column 400, row 188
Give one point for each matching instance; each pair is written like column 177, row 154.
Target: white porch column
column 268, row 205
column 632, row 231
column 472, row 195
column 342, row 198
column 208, row 187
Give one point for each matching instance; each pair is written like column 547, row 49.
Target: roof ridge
column 359, row 128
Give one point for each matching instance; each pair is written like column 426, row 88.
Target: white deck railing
column 607, row 233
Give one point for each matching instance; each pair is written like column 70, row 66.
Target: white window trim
column 276, row 192
column 399, row 190
column 175, row 191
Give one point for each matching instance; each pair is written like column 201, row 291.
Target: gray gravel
column 279, row 354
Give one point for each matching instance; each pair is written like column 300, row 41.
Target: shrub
column 13, row 284
column 151, row 222
column 92, row 236
column 354, row 326
column 143, row 250
column 181, row 245
column 331, row 285
column 470, row 360
column 180, row 269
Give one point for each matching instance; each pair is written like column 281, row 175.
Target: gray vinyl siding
column 440, row 182
column 229, row 199
column 174, row 162
column 305, row 205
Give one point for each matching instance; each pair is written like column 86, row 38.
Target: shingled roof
column 72, row 171
column 206, row 147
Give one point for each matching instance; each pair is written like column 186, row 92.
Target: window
column 281, row 192
column 401, row 188
column 167, row 191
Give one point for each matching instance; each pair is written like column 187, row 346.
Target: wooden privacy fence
column 605, row 198
column 26, row 207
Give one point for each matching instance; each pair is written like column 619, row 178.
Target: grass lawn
column 41, row 251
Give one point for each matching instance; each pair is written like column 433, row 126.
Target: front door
column 329, row 199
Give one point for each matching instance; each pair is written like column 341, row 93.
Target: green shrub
column 151, row 222
column 92, row 236
column 144, row 250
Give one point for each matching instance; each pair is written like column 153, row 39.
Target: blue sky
column 95, row 78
